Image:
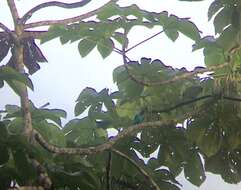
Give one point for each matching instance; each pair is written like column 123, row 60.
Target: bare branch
column 19, row 63
column 29, row 14
column 143, row 41
column 140, row 169
column 13, row 10
column 100, row 148
column 68, row 20
column 5, row 29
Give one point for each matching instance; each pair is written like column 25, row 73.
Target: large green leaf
column 189, row 29
column 228, row 38
column 172, row 34
column 79, row 131
column 53, row 32
column 51, row 114
column 51, row 132
column 85, row 99
column 4, row 154
column 194, row 170
column 86, row 46
column 105, row 47
column 11, row 75
column 222, row 19
column 214, row 8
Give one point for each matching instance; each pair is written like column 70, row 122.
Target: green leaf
column 228, row 38
column 86, row 46
column 213, row 56
column 51, row 114
column 105, row 47
column 211, row 141
column 167, row 186
column 3, row 133
column 120, row 37
column 4, row 154
column 51, row 132
column 120, row 74
column 194, row 170
column 222, row 19
column 11, row 75
column 86, row 98
column 172, row 34
column 189, row 29
column 12, row 108
column 101, row 133
column 53, row 32
column 79, row 131
column 214, row 8
column 192, row 92
column 108, row 11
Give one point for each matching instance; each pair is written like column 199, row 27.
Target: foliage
column 203, row 133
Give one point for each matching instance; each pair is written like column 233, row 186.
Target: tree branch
column 5, row 29
column 29, row 14
column 100, row 148
column 13, row 10
column 140, row 169
column 143, row 41
column 68, row 20
column 19, row 63
column 183, row 104
column 43, row 178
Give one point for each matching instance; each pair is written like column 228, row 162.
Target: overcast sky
column 60, row 81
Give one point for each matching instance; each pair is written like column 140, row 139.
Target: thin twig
column 143, row 41
column 99, row 148
column 183, row 104
column 51, row 4
column 5, row 28
column 140, row 169
column 68, row 20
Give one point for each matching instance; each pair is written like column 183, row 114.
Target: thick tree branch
column 51, row 4
column 19, row 63
column 14, row 11
column 100, row 148
column 26, row 34
column 43, row 178
column 68, row 20
column 140, row 169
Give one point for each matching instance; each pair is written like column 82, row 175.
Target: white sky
column 64, row 76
